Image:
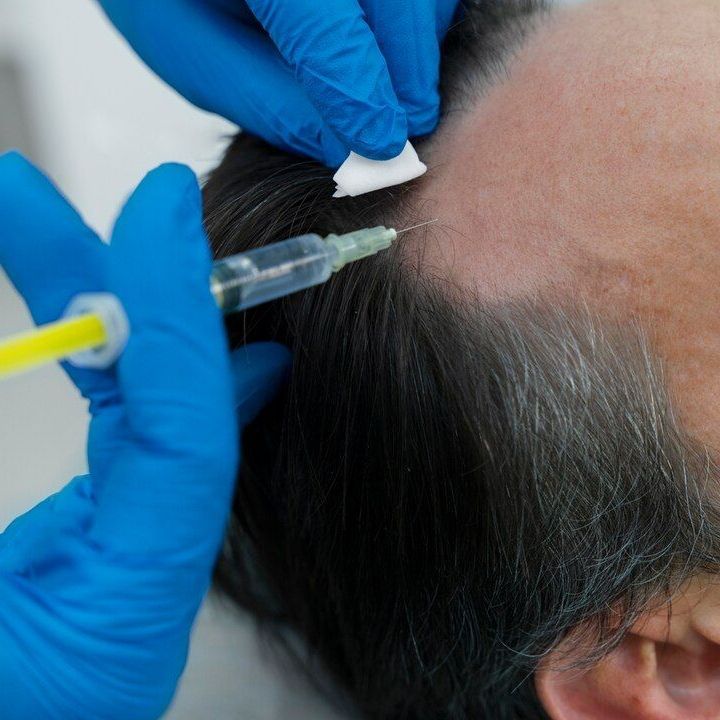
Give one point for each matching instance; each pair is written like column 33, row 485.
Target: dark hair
column 447, row 487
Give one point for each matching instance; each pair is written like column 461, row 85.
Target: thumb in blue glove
column 100, row 584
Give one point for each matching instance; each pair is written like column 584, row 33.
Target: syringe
column 272, row 271
column 94, row 330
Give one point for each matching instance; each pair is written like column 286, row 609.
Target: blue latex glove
column 100, row 584
column 324, row 76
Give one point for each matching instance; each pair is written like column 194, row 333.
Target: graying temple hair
column 448, row 489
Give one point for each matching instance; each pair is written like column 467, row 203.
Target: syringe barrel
column 272, row 271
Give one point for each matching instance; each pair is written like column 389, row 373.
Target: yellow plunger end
column 48, row 343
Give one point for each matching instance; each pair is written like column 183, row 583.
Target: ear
column 666, row 668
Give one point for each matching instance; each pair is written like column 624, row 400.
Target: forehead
column 593, row 171
column 606, row 126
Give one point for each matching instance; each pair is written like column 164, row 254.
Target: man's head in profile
column 490, row 490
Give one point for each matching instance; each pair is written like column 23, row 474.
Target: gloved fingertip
column 423, row 121
column 9, row 157
column 382, row 140
column 163, row 206
column 172, row 171
column 171, row 181
column 259, row 370
column 14, row 166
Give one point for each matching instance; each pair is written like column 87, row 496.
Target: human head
column 480, row 493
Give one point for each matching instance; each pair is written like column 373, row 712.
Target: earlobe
column 667, row 668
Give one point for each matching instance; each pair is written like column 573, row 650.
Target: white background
column 99, row 121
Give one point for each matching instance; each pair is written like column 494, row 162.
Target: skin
column 594, row 172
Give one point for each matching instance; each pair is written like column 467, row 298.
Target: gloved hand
column 99, row 584
column 327, row 76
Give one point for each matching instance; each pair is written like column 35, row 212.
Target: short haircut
column 448, row 487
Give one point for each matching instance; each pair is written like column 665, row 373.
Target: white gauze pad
column 359, row 175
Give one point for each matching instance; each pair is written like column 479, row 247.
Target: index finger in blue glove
column 168, row 489
column 409, row 34
column 336, row 57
